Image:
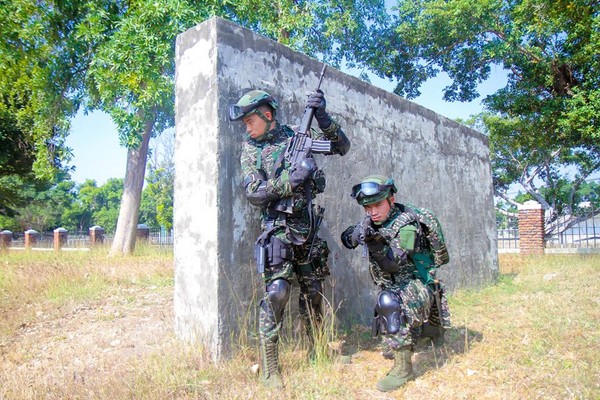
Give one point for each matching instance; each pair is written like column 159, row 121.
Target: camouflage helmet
column 373, row 189
column 249, row 102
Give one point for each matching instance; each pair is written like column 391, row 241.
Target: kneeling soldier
column 405, row 306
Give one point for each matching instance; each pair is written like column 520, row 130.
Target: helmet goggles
column 367, row 189
column 237, row 112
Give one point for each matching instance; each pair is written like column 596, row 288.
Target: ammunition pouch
column 277, row 252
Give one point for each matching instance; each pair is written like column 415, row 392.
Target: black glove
column 317, row 101
column 373, row 240
column 346, row 238
column 302, row 171
column 374, row 245
column 370, row 234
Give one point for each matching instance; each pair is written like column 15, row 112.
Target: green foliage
column 40, row 76
column 156, row 209
column 545, row 121
column 65, row 204
column 131, row 74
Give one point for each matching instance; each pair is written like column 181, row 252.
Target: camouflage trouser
column 416, row 301
column 310, row 272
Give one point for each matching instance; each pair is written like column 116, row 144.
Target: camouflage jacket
column 400, row 231
column 258, row 159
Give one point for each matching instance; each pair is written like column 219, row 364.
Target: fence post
column 30, row 238
column 60, row 238
column 5, row 239
column 96, row 234
column 531, row 228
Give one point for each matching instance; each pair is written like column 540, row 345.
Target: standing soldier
column 289, row 245
column 402, row 256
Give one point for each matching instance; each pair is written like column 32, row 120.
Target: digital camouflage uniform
column 417, row 300
column 258, row 158
column 406, row 307
column 268, row 179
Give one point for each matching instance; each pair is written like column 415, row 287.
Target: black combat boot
column 401, row 372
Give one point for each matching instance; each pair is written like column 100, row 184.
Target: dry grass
column 84, row 326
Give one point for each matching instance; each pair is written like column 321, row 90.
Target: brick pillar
column 5, row 239
column 60, row 238
column 531, row 228
column 96, row 234
column 30, row 238
column 143, row 232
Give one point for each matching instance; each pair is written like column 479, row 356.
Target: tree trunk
column 126, row 232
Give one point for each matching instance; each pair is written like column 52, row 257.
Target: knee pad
column 278, row 294
column 388, row 314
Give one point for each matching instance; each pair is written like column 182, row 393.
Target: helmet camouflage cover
column 249, row 102
column 373, row 189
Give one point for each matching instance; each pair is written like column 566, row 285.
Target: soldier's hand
column 357, row 234
column 317, row 101
column 304, row 169
column 369, row 234
column 347, row 240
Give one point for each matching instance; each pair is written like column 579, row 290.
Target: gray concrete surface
column 437, row 163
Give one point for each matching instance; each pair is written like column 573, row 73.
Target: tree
column 42, row 67
column 544, row 123
column 107, row 202
column 45, row 208
column 156, row 209
column 37, row 82
column 118, row 57
column 132, row 73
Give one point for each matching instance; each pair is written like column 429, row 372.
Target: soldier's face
column 255, row 125
column 379, row 211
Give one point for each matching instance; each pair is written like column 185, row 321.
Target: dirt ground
column 85, row 341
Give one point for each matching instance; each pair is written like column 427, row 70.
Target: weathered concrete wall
column 437, row 163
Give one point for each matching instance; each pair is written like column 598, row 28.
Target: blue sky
column 97, row 154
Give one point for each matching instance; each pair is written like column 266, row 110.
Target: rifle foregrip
column 322, row 147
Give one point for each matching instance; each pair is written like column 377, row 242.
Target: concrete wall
column 437, row 163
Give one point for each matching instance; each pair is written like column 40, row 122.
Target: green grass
column 533, row 334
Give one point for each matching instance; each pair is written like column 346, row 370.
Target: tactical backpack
column 430, row 250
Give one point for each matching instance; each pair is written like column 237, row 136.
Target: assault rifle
column 368, row 231
column 301, row 146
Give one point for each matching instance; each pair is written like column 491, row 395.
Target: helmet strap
column 268, row 122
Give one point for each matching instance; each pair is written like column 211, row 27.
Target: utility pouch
column 260, row 247
column 277, row 252
column 260, row 254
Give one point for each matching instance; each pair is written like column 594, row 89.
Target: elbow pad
column 261, row 197
column 339, row 140
column 342, row 144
